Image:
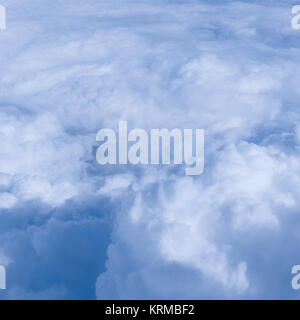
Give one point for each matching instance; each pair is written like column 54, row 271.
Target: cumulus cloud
column 68, row 225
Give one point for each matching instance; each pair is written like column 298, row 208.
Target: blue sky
column 72, row 229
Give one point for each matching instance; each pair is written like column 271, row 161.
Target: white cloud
column 116, row 185
column 7, row 200
column 68, row 70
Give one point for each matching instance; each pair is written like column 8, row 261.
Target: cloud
column 73, row 229
column 7, row 200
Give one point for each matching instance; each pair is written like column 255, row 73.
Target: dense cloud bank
column 70, row 228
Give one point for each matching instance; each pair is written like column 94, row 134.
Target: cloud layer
column 70, row 228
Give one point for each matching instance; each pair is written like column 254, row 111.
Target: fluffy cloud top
column 70, row 228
